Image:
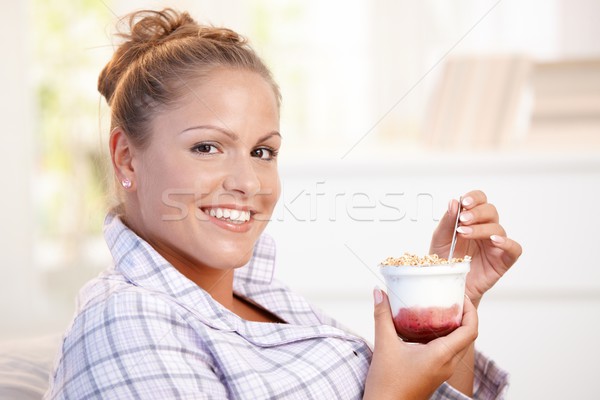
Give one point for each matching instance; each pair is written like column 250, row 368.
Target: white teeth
column 244, row 216
column 229, row 214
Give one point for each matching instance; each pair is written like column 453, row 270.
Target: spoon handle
column 451, row 254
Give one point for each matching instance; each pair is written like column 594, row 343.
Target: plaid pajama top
column 144, row 331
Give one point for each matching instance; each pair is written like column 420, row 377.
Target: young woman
column 190, row 309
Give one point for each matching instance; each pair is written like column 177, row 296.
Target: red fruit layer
column 423, row 324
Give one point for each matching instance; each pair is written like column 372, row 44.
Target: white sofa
column 25, row 366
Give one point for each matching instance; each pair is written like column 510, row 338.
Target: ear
column 121, row 154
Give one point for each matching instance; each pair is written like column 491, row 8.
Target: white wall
column 16, row 155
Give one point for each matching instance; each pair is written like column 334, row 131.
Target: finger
column 480, row 231
column 469, row 314
column 384, row 325
column 512, row 249
column 458, row 340
column 471, row 321
column 473, row 199
column 480, row 214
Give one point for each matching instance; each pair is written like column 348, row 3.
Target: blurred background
column 389, row 110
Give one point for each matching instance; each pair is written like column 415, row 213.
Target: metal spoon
column 454, row 233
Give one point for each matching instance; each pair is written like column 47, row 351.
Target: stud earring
column 126, row 183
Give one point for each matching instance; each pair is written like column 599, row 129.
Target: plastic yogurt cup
column 426, row 300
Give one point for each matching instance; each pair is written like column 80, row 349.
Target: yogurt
column 426, row 301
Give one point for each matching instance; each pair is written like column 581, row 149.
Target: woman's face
column 206, row 185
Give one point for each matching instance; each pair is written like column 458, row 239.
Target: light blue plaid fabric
column 144, row 331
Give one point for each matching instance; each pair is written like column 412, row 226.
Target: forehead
column 232, row 98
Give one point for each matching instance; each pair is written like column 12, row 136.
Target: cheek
column 161, row 183
column 272, row 188
column 278, row 191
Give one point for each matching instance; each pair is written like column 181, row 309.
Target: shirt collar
column 143, row 265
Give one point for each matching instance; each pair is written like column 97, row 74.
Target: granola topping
column 408, row 259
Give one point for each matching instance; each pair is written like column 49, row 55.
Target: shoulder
column 124, row 317
column 110, row 301
column 131, row 341
column 127, row 322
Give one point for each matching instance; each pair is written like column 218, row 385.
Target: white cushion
column 25, row 366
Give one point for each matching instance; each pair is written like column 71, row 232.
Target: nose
column 242, row 177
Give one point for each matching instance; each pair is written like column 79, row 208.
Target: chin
column 237, row 252
column 227, row 257
column 230, row 262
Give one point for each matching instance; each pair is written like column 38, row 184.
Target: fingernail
column 464, row 230
column 466, row 216
column 450, row 206
column 497, row 239
column 467, row 201
column 377, row 295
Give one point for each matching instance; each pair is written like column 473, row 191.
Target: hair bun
column 144, row 30
column 149, row 28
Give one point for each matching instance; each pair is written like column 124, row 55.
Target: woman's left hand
column 480, row 236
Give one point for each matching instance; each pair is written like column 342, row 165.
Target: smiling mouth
column 229, row 215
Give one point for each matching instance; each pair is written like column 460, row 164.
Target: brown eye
column 204, row 148
column 263, row 153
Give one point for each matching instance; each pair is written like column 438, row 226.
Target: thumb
column 384, row 325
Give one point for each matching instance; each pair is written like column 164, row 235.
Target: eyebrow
column 228, row 133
